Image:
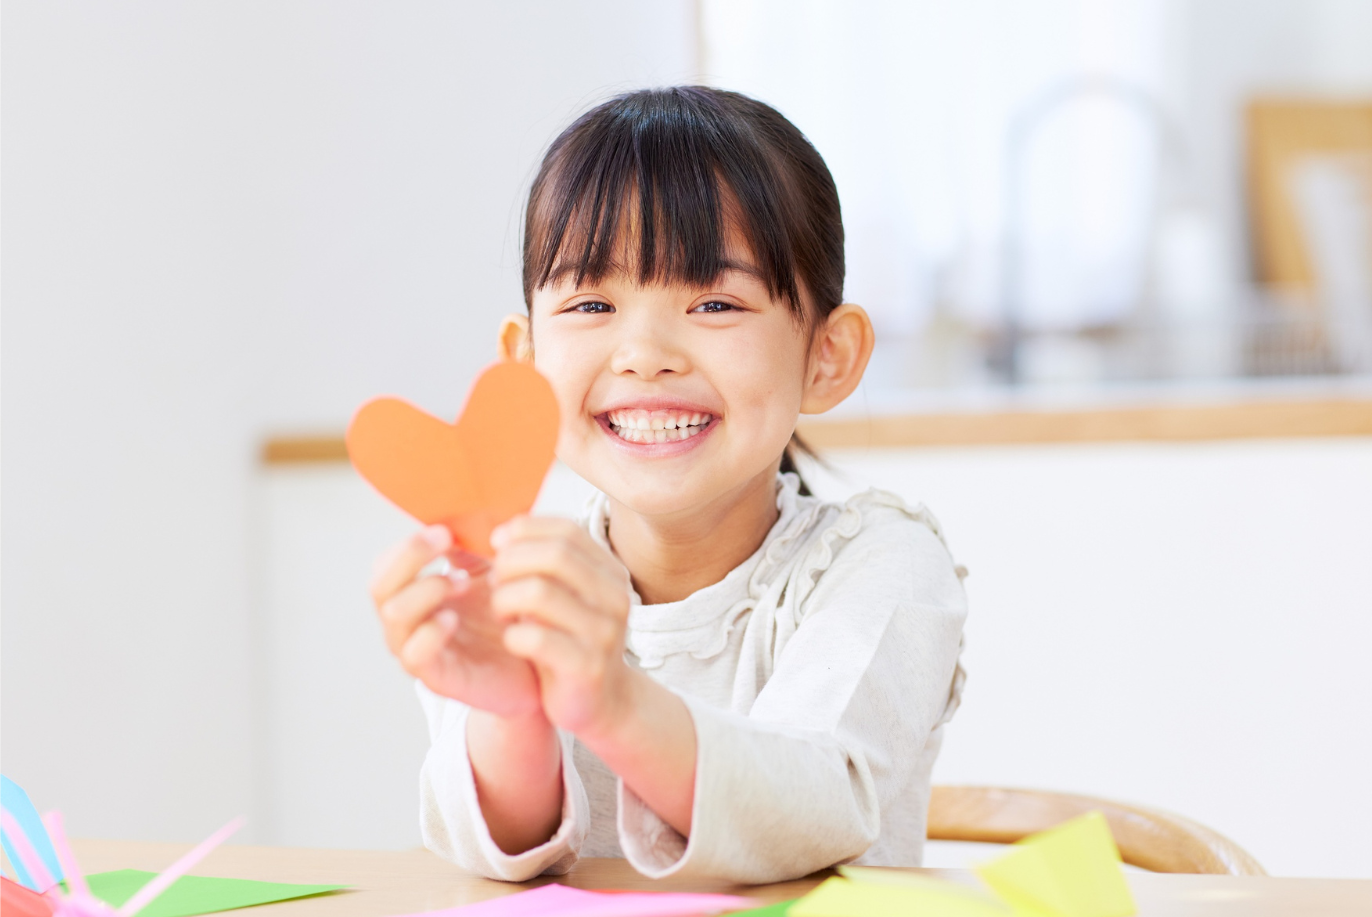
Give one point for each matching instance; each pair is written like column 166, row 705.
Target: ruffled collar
column 700, row 623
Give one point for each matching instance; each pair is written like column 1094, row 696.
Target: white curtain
column 910, row 102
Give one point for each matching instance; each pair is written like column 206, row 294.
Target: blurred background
column 1120, row 259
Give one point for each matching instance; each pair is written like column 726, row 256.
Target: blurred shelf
column 304, row 450
column 1136, row 415
column 1181, row 422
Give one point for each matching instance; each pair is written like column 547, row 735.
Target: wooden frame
column 1280, row 133
column 1149, row 839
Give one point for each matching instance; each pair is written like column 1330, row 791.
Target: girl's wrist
column 622, row 719
column 517, row 768
column 526, row 738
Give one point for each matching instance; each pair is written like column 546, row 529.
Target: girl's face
column 671, row 397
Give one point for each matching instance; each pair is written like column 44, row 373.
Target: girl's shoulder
column 873, row 536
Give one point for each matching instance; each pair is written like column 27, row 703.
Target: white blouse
column 819, row 674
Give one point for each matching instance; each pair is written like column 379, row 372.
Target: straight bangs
column 653, row 185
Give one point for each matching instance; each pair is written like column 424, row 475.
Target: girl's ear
column 513, row 343
column 838, row 358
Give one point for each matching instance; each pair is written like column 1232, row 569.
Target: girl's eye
column 715, row 307
column 592, row 308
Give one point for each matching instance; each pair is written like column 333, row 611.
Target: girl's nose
column 648, row 353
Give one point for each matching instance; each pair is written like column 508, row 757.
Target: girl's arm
column 494, row 782
column 568, row 603
column 837, row 747
column 517, row 768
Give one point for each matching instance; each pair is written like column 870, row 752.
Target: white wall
column 225, row 218
column 1181, row 626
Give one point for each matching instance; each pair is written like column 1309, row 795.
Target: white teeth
column 657, row 426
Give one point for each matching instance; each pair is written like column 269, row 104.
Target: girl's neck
column 671, row 557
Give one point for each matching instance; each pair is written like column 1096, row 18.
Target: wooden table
column 403, row 882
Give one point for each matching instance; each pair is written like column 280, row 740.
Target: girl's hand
column 566, row 601
column 442, row 630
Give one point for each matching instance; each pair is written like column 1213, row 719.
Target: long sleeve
column 450, row 815
column 848, row 722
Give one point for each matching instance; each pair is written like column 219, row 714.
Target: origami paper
column 561, row 901
column 780, row 909
column 950, row 897
column 16, row 802
column 78, row 900
column 470, row 476
column 18, row 901
column 190, row 895
column 841, row 897
column 1072, row 870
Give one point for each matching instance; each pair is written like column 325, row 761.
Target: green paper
column 898, row 896
column 191, row 895
column 772, row 910
column 1072, row 870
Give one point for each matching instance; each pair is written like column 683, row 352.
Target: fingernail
column 438, row 537
column 499, row 536
column 447, row 618
column 460, row 578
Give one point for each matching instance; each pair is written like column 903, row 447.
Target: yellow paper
column 872, row 875
column 903, row 897
column 1072, row 870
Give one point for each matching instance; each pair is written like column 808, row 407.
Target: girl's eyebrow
column 564, row 270
column 742, row 267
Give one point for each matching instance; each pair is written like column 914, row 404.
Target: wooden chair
column 1148, row 839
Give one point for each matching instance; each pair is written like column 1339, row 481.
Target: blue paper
column 16, row 802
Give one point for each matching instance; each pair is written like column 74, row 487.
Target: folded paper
column 17, row 804
column 843, row 897
column 1072, row 870
column 780, row 909
column 18, row 901
column 191, row 895
column 470, row 476
column 563, row 901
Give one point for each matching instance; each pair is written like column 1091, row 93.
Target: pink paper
column 561, row 901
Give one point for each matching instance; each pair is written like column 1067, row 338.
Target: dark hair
column 681, row 167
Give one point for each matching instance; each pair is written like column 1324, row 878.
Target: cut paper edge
column 923, row 883
column 842, row 897
column 193, row 894
column 557, row 900
column 1072, row 870
column 145, row 895
column 20, row 901
column 14, row 798
column 76, row 880
column 28, row 865
column 470, row 475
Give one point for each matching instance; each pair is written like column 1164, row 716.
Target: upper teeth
column 657, row 420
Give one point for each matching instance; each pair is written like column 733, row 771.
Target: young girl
column 713, row 673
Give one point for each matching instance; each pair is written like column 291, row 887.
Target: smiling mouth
column 658, row 426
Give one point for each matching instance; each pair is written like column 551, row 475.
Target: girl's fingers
column 550, row 603
column 403, row 612
column 404, row 561
column 535, row 545
column 533, row 527
column 427, row 641
column 545, row 647
column 564, row 561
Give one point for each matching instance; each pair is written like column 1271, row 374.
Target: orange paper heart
column 471, row 476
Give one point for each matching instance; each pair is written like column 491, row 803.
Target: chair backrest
column 1148, row 839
